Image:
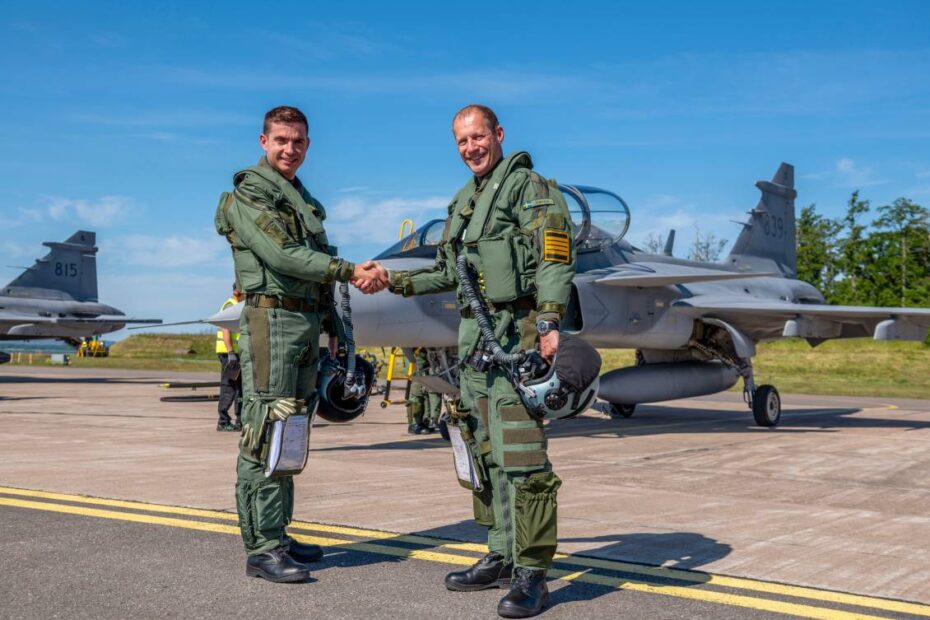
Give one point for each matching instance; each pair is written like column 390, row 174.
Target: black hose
column 481, row 315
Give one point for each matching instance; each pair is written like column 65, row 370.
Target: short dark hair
column 284, row 114
column 489, row 116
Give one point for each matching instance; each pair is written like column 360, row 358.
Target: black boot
column 528, row 594
column 488, row 572
column 277, row 566
column 305, row 553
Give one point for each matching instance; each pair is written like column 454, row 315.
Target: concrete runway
column 685, row 510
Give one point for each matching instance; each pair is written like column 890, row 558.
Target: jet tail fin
column 68, row 271
column 768, row 238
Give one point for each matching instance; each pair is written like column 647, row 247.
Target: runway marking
column 628, row 582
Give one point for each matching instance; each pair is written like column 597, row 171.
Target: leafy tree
column 654, row 244
column 854, row 256
column 818, row 253
column 706, row 248
column 899, row 271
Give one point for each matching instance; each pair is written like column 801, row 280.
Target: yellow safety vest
column 233, row 336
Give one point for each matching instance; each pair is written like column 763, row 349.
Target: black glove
column 232, row 362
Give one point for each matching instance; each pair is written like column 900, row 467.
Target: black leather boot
column 488, row 572
column 528, row 594
column 305, row 553
column 277, row 566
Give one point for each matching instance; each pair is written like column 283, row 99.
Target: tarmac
column 687, row 509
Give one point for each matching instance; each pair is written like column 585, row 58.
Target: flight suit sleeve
column 252, row 218
column 436, row 279
column 543, row 216
column 439, row 278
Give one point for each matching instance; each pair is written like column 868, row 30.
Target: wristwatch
column 544, row 327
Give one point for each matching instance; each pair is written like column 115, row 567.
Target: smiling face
column 285, row 146
column 478, row 143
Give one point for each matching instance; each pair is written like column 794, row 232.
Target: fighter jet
column 694, row 326
column 56, row 298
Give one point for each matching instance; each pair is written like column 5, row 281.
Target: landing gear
column 621, row 411
column 766, row 406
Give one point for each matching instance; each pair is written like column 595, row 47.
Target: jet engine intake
column 651, row 383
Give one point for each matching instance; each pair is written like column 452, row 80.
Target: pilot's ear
column 500, row 133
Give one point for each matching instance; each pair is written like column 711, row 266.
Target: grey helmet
column 335, row 405
column 567, row 386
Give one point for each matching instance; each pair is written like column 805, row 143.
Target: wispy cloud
column 105, row 211
column 847, row 173
column 168, row 252
column 358, row 218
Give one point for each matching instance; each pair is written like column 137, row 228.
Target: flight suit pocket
column 269, row 509
column 535, row 533
column 248, row 270
column 499, row 269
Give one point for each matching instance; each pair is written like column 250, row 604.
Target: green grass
column 858, row 367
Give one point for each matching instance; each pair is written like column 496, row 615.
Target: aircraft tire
column 766, row 406
column 621, row 411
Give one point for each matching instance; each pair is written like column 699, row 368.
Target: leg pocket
column 269, row 511
column 535, row 531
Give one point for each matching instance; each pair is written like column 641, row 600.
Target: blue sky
column 130, row 119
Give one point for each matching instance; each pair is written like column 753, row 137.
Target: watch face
column 543, row 326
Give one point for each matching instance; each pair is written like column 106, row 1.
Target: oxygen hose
column 351, row 390
column 498, row 355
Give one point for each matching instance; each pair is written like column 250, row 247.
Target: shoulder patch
column 556, row 246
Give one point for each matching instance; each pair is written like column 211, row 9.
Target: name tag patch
column 556, row 246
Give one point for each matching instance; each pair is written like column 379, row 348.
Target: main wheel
column 766, row 406
column 621, row 411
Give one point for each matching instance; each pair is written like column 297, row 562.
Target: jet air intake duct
column 656, row 382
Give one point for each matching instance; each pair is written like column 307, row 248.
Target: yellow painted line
column 796, row 609
column 696, row 577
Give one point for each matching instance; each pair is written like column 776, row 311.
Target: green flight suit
column 282, row 257
column 423, row 406
column 514, row 228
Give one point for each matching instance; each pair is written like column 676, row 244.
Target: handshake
column 370, row 277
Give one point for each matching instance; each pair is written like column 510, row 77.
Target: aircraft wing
column 816, row 322
column 667, row 274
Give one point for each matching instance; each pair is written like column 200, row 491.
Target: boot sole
column 523, row 613
column 251, row 571
column 500, row 583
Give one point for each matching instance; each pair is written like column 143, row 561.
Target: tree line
column 854, row 261
column 866, row 257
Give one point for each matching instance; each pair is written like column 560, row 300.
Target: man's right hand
column 370, row 277
column 282, row 408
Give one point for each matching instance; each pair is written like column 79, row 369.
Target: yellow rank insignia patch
column 556, row 246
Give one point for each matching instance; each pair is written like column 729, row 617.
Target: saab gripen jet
column 694, row 325
column 56, row 298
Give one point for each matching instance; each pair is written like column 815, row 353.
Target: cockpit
column 600, row 219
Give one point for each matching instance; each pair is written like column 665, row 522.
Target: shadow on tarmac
column 671, row 550
column 655, row 419
column 674, row 550
column 97, row 380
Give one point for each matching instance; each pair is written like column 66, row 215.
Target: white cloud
column 355, row 219
column 167, row 251
column 102, row 212
column 851, row 174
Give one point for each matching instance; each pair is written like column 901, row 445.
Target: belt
column 294, row 304
column 521, row 303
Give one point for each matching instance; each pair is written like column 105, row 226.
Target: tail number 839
column 773, row 226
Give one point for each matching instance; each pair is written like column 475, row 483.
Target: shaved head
column 476, row 108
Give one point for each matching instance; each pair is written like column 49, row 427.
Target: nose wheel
column 766, row 406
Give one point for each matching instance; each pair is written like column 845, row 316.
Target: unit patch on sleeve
column 556, row 246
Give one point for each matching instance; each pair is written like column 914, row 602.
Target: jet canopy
column 599, row 218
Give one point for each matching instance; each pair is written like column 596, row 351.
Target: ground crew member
column 514, row 228
column 227, row 349
column 423, row 407
column 286, row 268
